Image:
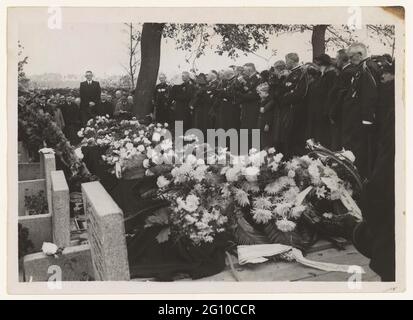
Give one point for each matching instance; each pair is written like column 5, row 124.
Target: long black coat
column 228, row 110
column 161, row 103
column 250, row 101
column 104, row 108
column 360, row 103
column 375, row 236
column 265, row 121
column 293, row 113
column 212, row 91
column 88, row 93
column 276, row 91
column 201, row 107
column 318, row 110
column 71, row 116
column 181, row 95
column 335, row 104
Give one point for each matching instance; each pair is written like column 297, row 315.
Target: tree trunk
column 148, row 72
column 318, row 39
column 131, row 54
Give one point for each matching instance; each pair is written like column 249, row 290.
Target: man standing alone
column 89, row 96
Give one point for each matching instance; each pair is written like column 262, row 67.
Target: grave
column 40, row 229
column 35, row 177
column 60, row 209
column 106, row 232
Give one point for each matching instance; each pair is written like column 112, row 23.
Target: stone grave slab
column 60, row 209
column 106, row 232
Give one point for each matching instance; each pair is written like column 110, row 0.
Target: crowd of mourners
column 340, row 102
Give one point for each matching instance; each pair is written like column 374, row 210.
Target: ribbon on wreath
column 260, row 253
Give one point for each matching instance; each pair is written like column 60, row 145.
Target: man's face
column 89, row 76
column 278, row 70
column 247, row 71
column 238, row 71
column 355, row 57
column 263, row 94
column 77, row 101
column 68, row 99
column 109, row 98
column 185, row 77
column 289, row 63
column 210, row 76
column 118, row 94
column 103, row 97
column 162, row 78
column 42, row 100
column 130, row 99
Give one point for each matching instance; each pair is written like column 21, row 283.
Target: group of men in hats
column 335, row 101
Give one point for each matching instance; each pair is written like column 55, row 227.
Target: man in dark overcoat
column 90, row 96
column 293, row 108
column 359, row 109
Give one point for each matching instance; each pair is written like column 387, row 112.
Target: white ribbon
column 258, row 253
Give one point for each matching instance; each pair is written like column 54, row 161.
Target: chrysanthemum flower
column 285, row 225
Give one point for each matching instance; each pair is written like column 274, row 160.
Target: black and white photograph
column 226, row 149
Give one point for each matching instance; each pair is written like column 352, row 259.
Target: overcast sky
column 102, row 48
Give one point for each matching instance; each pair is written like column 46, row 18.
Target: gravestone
column 29, row 171
column 29, row 188
column 39, row 227
column 60, row 209
column 41, row 180
column 75, row 264
column 106, row 232
column 47, row 165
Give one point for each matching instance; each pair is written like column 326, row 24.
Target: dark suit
column 250, row 105
column 360, row 103
column 104, row 108
column 88, row 93
column 180, row 97
column 71, row 116
column 375, row 236
column 160, row 103
column 293, row 113
column 265, row 119
column 335, row 102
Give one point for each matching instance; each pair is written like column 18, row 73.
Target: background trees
column 22, row 80
column 133, row 49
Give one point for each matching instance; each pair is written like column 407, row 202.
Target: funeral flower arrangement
column 198, row 202
column 128, row 144
column 37, row 130
column 256, row 198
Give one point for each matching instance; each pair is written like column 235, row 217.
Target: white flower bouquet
column 198, row 204
column 131, row 148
